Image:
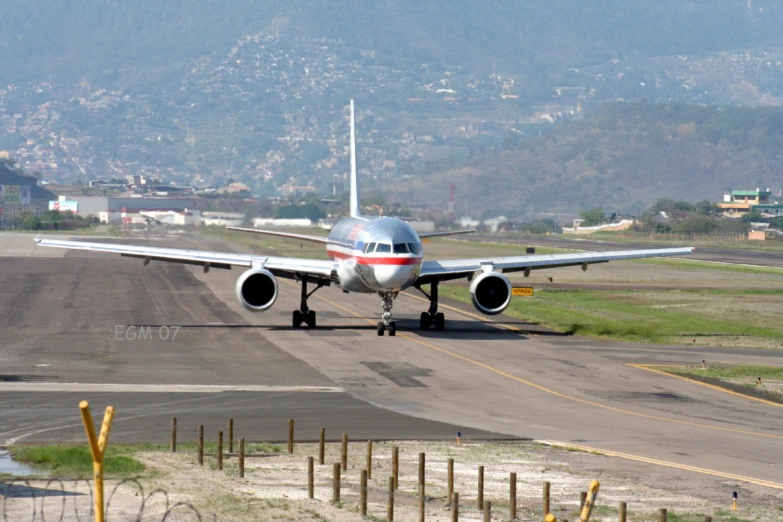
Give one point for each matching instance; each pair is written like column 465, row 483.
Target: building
column 114, row 210
column 740, row 202
column 223, row 219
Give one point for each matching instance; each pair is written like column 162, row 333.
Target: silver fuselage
column 375, row 254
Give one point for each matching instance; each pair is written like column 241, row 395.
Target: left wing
column 454, row 269
column 285, row 267
column 290, row 235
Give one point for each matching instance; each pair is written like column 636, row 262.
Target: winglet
column 355, row 211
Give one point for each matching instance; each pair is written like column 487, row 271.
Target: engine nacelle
column 490, row 293
column 256, row 290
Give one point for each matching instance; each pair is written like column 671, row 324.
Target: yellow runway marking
column 668, row 464
column 598, row 405
column 708, row 385
column 552, row 392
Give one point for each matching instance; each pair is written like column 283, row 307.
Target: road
column 481, row 376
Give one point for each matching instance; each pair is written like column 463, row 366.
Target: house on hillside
column 740, row 202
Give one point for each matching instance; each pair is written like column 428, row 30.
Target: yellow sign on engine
column 522, row 291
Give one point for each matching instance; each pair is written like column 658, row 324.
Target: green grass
column 76, row 461
column 700, row 265
column 619, row 315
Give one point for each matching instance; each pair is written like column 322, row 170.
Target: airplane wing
column 454, row 269
column 438, row 234
column 291, row 235
column 285, row 267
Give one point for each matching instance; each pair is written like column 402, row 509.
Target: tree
column 592, row 217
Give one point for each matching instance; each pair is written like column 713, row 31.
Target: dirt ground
column 275, row 487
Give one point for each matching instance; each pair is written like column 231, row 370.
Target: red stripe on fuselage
column 367, row 260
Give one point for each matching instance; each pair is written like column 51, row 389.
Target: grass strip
column 611, row 315
column 76, row 461
column 726, row 377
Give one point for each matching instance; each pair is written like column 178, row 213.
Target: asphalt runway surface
column 714, row 254
column 482, row 376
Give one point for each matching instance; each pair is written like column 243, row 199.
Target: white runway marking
column 158, row 388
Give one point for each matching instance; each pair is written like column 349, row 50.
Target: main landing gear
column 432, row 316
column 386, row 323
column 304, row 315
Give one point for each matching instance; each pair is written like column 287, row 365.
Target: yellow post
column 98, row 449
column 589, row 502
column 550, row 518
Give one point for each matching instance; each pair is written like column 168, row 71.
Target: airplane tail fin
column 355, row 210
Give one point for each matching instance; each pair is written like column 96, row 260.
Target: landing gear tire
column 310, row 319
column 381, row 328
column 296, row 320
column 425, row 321
column 440, row 321
column 392, row 329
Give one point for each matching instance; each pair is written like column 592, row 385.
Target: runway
column 494, row 377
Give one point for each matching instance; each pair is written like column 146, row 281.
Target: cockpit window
column 401, row 248
column 383, row 247
column 414, row 249
column 369, row 247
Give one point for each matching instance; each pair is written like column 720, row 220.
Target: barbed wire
column 18, row 491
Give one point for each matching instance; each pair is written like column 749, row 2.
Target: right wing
column 290, row 235
column 438, row 234
column 457, row 268
column 285, row 267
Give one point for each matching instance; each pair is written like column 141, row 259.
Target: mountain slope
column 125, row 42
column 622, row 158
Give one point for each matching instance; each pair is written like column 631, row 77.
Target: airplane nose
column 393, row 277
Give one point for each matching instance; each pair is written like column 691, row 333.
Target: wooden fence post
column 546, row 498
column 336, row 482
column 582, row 499
column 231, row 435
column 450, row 479
column 422, row 456
column 363, row 494
column 480, row 495
column 396, row 466
column 487, row 511
column 663, row 515
column 369, row 459
column 623, row 512
column 220, row 451
column 290, row 435
column 390, row 501
column 173, row 434
column 344, row 452
column 242, row 457
column 512, row 496
column 200, row 447
column 321, row 445
column 455, row 507
column 310, row 478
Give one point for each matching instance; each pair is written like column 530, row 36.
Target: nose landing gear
column 386, row 323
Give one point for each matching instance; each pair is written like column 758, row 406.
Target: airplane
column 370, row 255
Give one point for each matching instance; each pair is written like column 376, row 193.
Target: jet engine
column 256, row 290
column 490, row 293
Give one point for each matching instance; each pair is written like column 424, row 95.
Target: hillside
column 197, row 92
column 623, row 158
column 122, row 43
